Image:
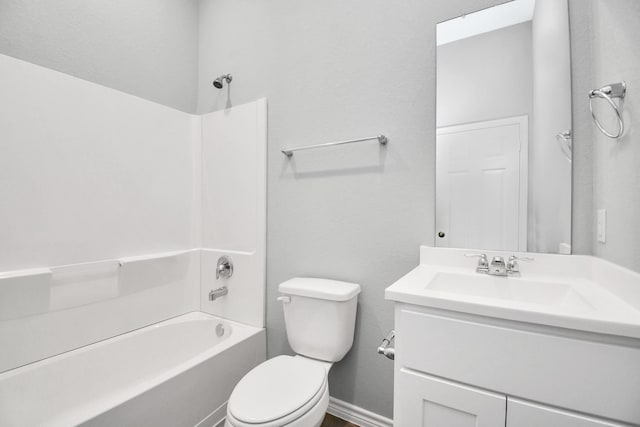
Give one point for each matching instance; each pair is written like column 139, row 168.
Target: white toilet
column 293, row 391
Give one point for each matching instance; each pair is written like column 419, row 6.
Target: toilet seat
column 277, row 392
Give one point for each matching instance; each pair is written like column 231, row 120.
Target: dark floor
column 331, row 421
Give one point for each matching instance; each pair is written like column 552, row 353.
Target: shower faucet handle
column 224, row 267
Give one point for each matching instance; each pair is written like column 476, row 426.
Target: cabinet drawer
column 526, row 414
column 585, row 376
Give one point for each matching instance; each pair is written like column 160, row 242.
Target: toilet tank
column 320, row 316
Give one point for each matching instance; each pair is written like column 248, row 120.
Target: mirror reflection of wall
column 503, row 160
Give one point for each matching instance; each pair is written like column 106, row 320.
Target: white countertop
column 568, row 291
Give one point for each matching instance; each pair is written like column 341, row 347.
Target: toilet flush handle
column 285, row 299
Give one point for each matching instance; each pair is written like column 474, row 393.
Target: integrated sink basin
column 559, row 295
column 582, row 293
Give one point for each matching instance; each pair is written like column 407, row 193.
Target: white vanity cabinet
column 556, row 346
column 456, row 370
column 426, row 401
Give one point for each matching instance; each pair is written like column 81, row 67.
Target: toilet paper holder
column 385, row 347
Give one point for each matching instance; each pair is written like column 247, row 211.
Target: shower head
column 217, row 83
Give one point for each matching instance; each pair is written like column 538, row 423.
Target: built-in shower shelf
column 59, row 308
column 24, row 292
column 40, row 290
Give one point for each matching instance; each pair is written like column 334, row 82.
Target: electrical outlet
column 602, row 225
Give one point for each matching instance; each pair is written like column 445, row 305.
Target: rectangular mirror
column 503, row 145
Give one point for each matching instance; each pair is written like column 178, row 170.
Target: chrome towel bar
column 380, row 138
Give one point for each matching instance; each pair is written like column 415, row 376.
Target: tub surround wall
column 234, row 189
column 148, row 48
column 89, row 173
column 98, row 185
column 90, row 176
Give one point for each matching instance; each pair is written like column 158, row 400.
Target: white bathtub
column 175, row 373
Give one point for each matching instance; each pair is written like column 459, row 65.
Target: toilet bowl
column 283, row 391
column 293, row 391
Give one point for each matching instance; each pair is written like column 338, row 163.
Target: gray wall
column 333, row 70
column 582, row 224
column 148, row 48
column 615, row 36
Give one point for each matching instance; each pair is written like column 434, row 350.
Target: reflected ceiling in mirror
column 503, row 144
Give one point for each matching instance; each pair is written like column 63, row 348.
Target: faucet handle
column 224, row 267
column 483, row 262
column 512, row 264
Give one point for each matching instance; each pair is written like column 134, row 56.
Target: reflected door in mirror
column 481, row 185
column 504, row 149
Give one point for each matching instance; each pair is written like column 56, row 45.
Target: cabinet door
column 424, row 401
column 521, row 413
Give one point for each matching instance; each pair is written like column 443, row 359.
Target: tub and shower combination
column 177, row 372
column 98, row 327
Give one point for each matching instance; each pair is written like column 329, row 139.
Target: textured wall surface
column 582, row 232
column 615, row 36
column 148, row 48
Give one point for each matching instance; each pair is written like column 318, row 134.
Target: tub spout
column 217, row 293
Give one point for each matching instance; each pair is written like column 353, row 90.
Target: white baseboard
column 346, row 411
column 355, row 414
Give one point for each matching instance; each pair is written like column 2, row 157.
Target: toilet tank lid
column 333, row 290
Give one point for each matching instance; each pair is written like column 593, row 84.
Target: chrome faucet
column 217, row 293
column 498, row 267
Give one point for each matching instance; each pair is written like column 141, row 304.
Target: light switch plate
column 602, row 225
